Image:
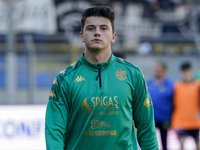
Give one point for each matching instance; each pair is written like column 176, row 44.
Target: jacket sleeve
column 143, row 115
column 56, row 116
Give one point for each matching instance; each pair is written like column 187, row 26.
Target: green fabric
column 81, row 115
column 197, row 75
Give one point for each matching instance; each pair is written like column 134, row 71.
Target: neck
column 98, row 57
column 159, row 79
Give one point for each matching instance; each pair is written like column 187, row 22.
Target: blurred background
column 39, row 38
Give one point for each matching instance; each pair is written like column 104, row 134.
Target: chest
column 87, row 97
column 187, row 91
column 160, row 90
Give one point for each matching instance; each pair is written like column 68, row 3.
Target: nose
column 97, row 32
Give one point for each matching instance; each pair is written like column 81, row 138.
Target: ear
column 114, row 37
column 81, row 37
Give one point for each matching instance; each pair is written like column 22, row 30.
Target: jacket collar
column 94, row 67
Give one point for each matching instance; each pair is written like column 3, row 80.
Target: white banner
column 22, row 127
column 35, row 16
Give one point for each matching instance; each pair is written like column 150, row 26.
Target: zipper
column 99, row 75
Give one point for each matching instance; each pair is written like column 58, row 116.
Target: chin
column 95, row 48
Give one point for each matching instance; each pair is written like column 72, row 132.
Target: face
column 159, row 71
column 97, row 33
column 187, row 75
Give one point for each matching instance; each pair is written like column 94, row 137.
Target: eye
column 104, row 28
column 90, row 29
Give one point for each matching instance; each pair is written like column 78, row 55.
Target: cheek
column 109, row 37
column 85, row 37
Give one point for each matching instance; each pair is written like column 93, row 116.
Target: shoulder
column 177, row 84
column 197, row 82
column 58, row 80
column 65, row 72
column 168, row 81
column 128, row 65
column 125, row 63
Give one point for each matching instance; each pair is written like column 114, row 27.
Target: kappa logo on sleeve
column 147, row 103
column 79, row 79
column 63, row 72
column 73, row 64
column 52, row 94
column 55, row 81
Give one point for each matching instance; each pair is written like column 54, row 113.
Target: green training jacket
column 92, row 107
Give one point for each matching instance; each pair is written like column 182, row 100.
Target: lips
column 96, row 40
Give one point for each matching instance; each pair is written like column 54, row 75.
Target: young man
column 93, row 102
column 186, row 119
column 161, row 92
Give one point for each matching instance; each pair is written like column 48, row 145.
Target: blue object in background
column 44, row 79
column 162, row 97
column 2, row 72
column 2, row 79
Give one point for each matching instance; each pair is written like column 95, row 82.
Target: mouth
column 97, row 40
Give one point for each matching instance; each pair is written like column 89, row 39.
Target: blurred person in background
column 161, row 92
column 186, row 118
column 93, row 102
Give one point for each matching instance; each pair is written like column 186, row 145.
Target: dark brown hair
column 98, row 11
column 185, row 66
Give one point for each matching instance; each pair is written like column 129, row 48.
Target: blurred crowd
column 170, row 14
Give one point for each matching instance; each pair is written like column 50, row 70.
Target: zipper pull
column 99, row 75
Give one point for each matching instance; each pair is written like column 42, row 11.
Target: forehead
column 187, row 70
column 97, row 21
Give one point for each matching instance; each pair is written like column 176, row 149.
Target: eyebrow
column 103, row 25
